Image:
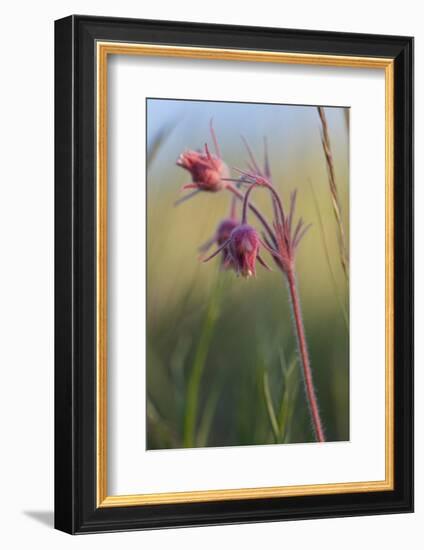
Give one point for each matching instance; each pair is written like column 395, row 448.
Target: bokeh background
column 222, row 364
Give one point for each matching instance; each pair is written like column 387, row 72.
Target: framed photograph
column 234, row 274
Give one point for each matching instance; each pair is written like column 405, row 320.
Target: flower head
column 208, row 171
column 241, row 250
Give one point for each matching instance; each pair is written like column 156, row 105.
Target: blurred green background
column 222, row 363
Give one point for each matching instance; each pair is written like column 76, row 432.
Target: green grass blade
column 288, row 400
column 158, row 140
column 195, row 376
column 207, row 418
column 166, row 435
column 270, row 408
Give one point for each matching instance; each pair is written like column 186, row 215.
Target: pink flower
column 206, row 169
column 241, row 250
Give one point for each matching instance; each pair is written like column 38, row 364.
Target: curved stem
column 253, row 208
column 278, row 206
column 277, row 201
column 245, row 203
column 303, row 351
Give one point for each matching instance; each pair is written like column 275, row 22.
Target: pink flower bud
column 240, row 251
column 243, row 248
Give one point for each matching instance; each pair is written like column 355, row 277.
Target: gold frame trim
column 104, row 49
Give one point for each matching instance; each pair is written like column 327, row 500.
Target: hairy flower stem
column 304, row 356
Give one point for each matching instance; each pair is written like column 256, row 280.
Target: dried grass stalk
column 325, row 140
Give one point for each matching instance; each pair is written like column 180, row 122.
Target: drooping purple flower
column 242, row 250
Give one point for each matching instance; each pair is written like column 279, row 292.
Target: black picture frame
column 76, row 510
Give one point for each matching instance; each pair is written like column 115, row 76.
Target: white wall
column 26, row 273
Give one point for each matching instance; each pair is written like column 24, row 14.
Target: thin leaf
column 270, row 408
column 288, row 400
column 159, row 139
column 166, row 434
column 207, row 418
column 195, row 376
